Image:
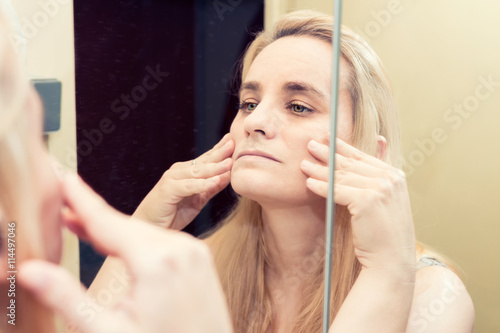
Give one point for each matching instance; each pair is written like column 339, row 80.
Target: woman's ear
column 381, row 148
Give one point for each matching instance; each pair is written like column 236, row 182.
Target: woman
column 269, row 250
column 31, row 199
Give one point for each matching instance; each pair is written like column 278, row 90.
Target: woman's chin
column 250, row 191
column 268, row 192
column 255, row 189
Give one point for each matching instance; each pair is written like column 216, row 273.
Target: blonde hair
column 17, row 204
column 239, row 247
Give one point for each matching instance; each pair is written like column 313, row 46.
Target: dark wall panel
column 153, row 88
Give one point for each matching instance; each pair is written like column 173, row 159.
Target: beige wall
column 50, row 54
column 438, row 55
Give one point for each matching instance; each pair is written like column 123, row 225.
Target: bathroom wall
column 443, row 61
column 48, row 30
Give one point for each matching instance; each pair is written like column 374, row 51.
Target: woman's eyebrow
column 299, row 86
column 251, row 85
column 292, row 86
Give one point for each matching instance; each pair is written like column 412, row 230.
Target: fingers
column 178, row 189
column 350, row 159
column 226, row 138
column 200, row 170
column 108, row 231
column 318, row 181
column 57, row 289
column 319, row 151
column 99, row 223
column 315, row 170
column 222, row 181
column 317, row 186
column 219, row 152
column 321, row 172
column 349, row 151
column 352, row 165
column 353, row 170
column 71, row 221
column 356, row 161
column 343, row 195
column 214, row 162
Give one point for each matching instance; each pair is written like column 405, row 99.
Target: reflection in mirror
column 123, row 105
column 421, row 159
column 442, row 59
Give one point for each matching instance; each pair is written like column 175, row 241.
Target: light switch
column 50, row 92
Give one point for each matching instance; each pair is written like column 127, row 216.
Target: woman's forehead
column 296, row 59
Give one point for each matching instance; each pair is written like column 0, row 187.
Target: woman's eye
column 246, row 106
column 298, row 108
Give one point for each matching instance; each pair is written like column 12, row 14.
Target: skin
column 168, row 284
column 276, row 154
column 47, row 184
column 267, row 122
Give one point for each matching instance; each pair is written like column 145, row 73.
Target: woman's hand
column 173, row 285
column 186, row 187
column 376, row 196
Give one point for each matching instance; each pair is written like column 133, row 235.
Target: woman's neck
column 294, row 238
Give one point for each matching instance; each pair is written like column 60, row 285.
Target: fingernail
column 313, row 144
column 310, row 181
column 306, row 164
column 32, row 277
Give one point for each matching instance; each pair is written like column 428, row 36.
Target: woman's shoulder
column 441, row 302
column 427, row 260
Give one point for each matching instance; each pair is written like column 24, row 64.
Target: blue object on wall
column 50, row 92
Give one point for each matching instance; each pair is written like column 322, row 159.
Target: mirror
column 136, row 64
column 440, row 57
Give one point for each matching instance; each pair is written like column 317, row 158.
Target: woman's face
column 46, row 185
column 285, row 102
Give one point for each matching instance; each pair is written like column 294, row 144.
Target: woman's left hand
column 376, row 196
column 171, row 281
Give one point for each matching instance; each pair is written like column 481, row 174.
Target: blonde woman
column 269, row 250
column 32, row 286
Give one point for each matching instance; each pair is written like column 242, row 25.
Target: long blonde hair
column 240, row 250
column 17, row 204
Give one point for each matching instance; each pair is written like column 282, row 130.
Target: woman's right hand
column 186, row 187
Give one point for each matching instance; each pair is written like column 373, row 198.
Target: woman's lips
column 257, row 154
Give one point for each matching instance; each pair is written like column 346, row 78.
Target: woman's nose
column 261, row 122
